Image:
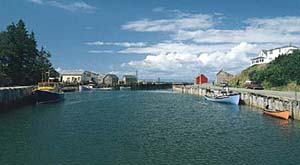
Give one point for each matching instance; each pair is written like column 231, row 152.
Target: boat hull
column 106, row 89
column 85, row 88
column 42, row 96
column 279, row 114
column 125, row 88
column 229, row 99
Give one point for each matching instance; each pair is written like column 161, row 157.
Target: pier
column 11, row 97
column 279, row 100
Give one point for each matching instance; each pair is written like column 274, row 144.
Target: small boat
column 279, row 114
column 233, row 98
column 85, row 88
column 48, row 92
column 125, row 88
column 106, row 89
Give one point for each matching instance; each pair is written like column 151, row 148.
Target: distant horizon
column 166, row 39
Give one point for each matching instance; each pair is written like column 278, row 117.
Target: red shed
column 202, row 79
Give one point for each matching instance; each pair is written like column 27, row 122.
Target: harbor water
column 145, row 127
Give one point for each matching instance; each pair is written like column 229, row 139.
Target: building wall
column 223, row 77
column 72, row 78
column 202, row 79
column 130, row 80
column 110, row 80
column 101, row 79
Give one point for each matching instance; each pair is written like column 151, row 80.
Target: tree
column 20, row 60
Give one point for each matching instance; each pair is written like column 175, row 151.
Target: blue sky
column 169, row 39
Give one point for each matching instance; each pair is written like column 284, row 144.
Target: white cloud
column 186, row 64
column 178, row 47
column 182, row 22
column 101, row 51
column 36, row 1
column 124, row 44
column 74, row 6
column 196, row 45
column 258, row 30
column 158, row 9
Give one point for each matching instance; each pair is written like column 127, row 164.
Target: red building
column 202, row 79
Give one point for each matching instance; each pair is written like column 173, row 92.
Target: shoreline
column 256, row 98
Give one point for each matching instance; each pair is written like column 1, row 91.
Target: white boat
column 125, row 88
column 106, row 89
column 85, row 87
column 228, row 98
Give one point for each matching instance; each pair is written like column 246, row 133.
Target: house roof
column 255, row 58
column 72, row 72
column 129, row 76
column 284, row 47
column 111, row 75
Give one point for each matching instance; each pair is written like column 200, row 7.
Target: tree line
column 21, row 62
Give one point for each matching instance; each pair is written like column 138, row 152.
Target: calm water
column 145, row 127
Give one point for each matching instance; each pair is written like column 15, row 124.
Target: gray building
column 129, row 79
column 77, row 76
column 101, row 79
column 223, row 77
column 110, row 80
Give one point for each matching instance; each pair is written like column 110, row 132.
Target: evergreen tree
column 21, row 63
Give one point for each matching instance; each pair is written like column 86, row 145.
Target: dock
column 279, row 100
column 11, row 97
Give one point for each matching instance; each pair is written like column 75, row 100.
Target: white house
column 78, row 76
column 266, row 56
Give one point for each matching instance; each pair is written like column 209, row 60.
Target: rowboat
column 279, row 114
column 233, row 98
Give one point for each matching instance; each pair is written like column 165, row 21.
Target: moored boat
column 233, row 98
column 106, row 89
column 48, row 92
column 125, row 88
column 279, row 114
column 85, row 88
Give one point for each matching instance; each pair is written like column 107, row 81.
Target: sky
column 168, row 39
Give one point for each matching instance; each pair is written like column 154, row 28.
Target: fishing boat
column 85, row 88
column 279, row 114
column 48, row 92
column 106, row 89
column 125, row 88
column 232, row 98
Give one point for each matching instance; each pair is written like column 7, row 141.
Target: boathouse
column 201, row 79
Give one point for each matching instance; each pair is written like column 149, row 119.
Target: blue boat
column 233, row 98
column 48, row 92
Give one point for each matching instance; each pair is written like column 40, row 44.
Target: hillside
column 282, row 73
column 239, row 79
